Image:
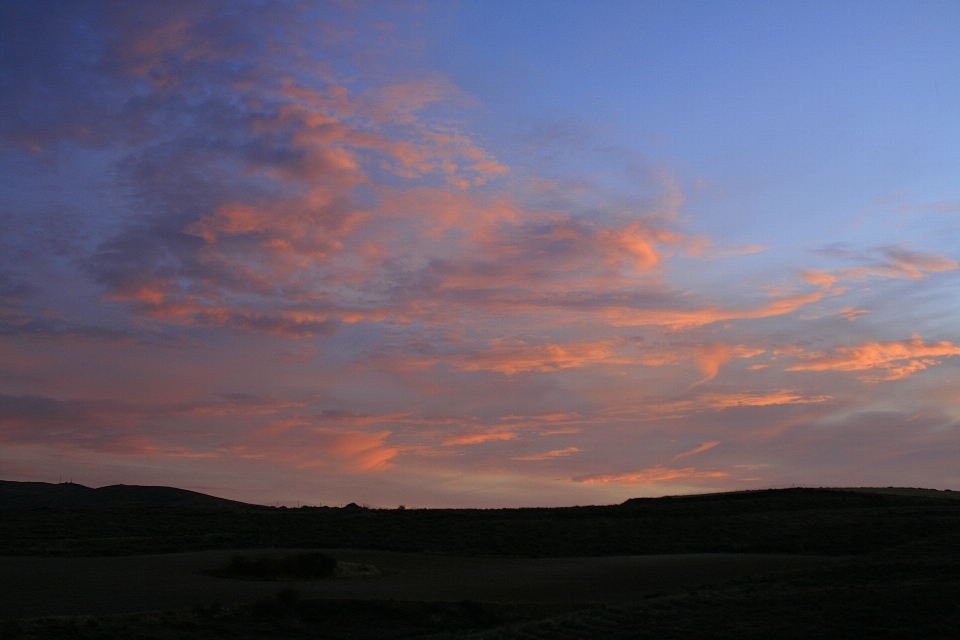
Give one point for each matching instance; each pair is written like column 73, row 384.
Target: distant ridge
column 810, row 492
column 34, row 495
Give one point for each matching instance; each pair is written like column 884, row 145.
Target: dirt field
column 75, row 586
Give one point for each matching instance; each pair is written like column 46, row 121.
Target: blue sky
column 797, row 108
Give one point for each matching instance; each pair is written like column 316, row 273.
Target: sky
column 479, row 253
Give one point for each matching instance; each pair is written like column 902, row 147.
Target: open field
column 794, row 563
column 124, row 584
column 907, row 593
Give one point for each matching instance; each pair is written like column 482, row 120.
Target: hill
column 127, row 520
column 34, row 495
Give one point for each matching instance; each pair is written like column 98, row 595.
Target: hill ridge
column 33, row 495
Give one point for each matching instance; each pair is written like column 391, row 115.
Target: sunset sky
column 480, row 253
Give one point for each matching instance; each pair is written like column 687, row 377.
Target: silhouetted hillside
column 805, row 521
column 33, row 495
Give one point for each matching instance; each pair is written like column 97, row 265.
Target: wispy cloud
column 894, row 360
column 548, row 455
column 651, row 476
column 704, row 447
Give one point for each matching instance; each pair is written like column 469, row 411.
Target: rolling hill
column 33, row 495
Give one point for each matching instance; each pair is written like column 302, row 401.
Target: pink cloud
column 896, row 262
column 652, row 476
column 706, row 446
column 364, row 451
column 678, row 319
column 479, row 438
column 849, row 313
column 894, row 360
column 658, row 409
column 708, row 357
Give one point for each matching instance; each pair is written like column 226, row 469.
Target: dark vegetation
column 899, row 576
column 803, row 521
column 298, row 566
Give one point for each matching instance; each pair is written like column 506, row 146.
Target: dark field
column 878, row 564
column 127, row 584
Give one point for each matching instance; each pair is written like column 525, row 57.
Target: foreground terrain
column 126, row 584
column 785, row 563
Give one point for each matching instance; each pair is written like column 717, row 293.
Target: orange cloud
column 704, row 447
column 897, row 262
column 896, row 360
column 708, row 358
column 363, row 451
column 513, row 359
column 720, row 401
column 911, row 265
column 635, row 245
column 549, row 455
column 516, row 358
column 653, row 475
column 680, row 319
column 478, row 438
column 821, row 279
column 547, row 357
column 659, row 410
column 849, row 313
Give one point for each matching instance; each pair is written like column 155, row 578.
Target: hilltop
column 35, row 495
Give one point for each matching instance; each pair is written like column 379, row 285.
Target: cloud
column 911, row 265
column 364, row 451
column 720, row 401
column 895, row 360
column 708, row 357
column 479, row 438
column 296, row 197
column 549, row 455
column 701, row 247
column 896, row 262
column 703, row 447
column 901, row 264
column 678, row 319
column 651, row 476
column 849, row 313
column 518, row 358
column 230, row 404
column 673, row 409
